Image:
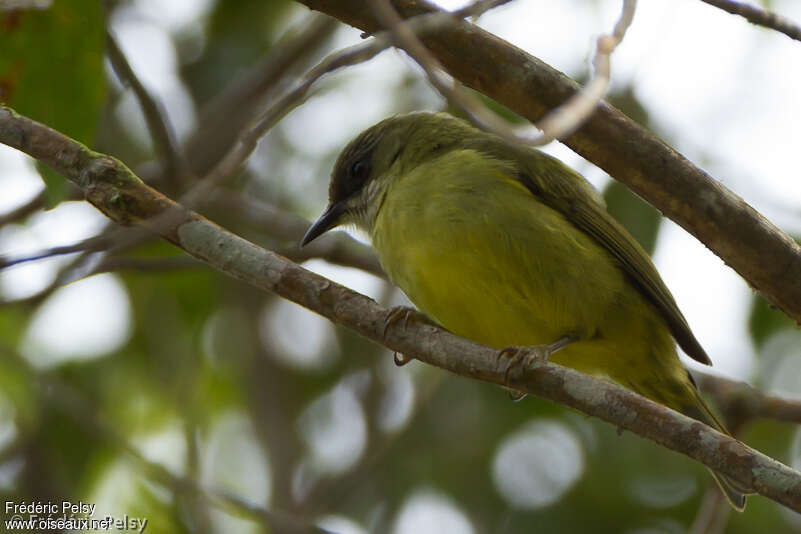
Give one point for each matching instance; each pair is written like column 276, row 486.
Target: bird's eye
column 359, row 171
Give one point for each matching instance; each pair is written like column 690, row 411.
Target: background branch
column 175, row 167
column 558, row 123
column 112, row 188
column 759, row 16
column 742, row 402
column 225, row 117
column 23, row 211
column 84, row 413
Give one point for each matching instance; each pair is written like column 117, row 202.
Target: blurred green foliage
column 764, row 320
column 201, row 354
column 639, row 217
column 242, row 31
column 51, row 69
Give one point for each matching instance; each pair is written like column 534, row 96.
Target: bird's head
column 375, row 159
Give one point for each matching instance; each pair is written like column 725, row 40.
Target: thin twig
column 235, row 158
column 557, row 124
column 229, row 165
column 567, row 118
column 478, row 8
column 161, row 131
column 85, row 414
column 283, row 228
column 175, row 166
column 91, row 244
column 759, row 16
column 147, row 265
column 24, row 210
column 406, row 38
column 741, row 402
column 286, row 228
column 256, row 84
column 223, row 119
column 357, row 54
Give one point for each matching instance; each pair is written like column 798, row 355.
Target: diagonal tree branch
column 742, row 402
column 759, row 16
column 117, row 192
column 226, row 115
column 557, row 124
column 176, row 168
column 24, row 210
column 753, row 246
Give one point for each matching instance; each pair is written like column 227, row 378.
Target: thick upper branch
column 759, row 251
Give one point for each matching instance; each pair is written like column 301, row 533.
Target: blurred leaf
column 17, row 388
column 56, row 187
column 764, row 320
column 12, row 325
column 239, row 33
column 626, row 101
column 51, row 70
column 639, row 217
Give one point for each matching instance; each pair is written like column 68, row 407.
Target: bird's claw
column 517, row 359
column 396, row 314
column 405, row 314
column 401, row 359
column 515, row 395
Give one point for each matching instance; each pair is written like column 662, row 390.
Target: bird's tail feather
column 734, row 491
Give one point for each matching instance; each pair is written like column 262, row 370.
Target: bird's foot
column 401, row 359
column 405, row 314
column 515, row 395
column 518, row 359
column 515, row 360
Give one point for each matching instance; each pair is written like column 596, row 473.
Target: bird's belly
column 485, row 284
column 492, row 302
column 489, row 300
column 522, row 276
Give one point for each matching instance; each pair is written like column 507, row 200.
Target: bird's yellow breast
column 482, row 256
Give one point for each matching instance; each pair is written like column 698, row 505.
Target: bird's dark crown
column 375, row 150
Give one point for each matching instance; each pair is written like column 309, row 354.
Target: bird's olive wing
column 567, row 193
column 618, row 241
column 564, row 190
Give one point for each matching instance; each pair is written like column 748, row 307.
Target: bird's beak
column 329, row 219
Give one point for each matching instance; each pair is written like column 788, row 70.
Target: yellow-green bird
column 507, row 246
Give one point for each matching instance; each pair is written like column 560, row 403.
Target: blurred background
column 128, row 369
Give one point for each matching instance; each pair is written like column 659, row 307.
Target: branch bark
column 759, row 16
column 122, row 196
column 741, row 402
column 768, row 259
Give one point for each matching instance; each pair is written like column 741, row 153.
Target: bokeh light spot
column 430, row 512
column 335, row 429
column 84, row 320
column 296, row 336
column 537, row 464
